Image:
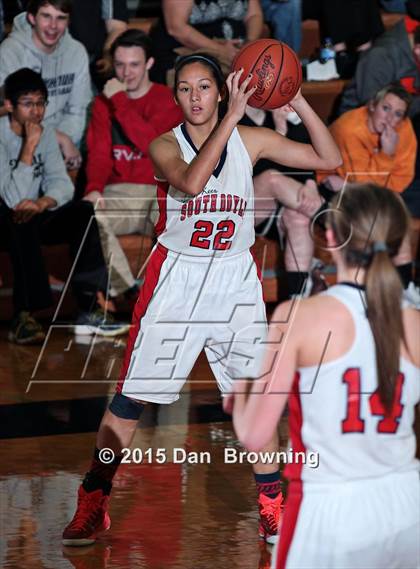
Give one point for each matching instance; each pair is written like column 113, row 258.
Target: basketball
column 276, row 72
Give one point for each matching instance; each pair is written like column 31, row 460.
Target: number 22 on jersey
column 203, row 235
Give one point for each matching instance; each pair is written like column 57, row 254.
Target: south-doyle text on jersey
column 212, row 203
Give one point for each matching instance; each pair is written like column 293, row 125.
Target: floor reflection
column 164, row 516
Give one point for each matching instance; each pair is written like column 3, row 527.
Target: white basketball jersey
column 220, row 220
column 335, row 410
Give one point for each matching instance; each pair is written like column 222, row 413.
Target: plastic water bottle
column 327, row 51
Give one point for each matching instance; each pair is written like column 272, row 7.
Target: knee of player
column 126, row 408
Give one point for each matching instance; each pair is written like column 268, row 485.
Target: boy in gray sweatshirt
column 40, row 40
column 36, row 207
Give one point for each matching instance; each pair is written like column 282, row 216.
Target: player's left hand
column 294, row 103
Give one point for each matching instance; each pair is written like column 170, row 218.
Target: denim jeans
column 394, row 6
column 285, row 17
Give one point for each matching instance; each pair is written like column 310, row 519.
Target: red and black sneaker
column 270, row 512
column 90, row 519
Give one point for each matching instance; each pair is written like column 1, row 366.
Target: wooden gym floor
column 164, row 516
column 172, row 515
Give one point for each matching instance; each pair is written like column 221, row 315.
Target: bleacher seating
column 138, row 248
column 321, row 95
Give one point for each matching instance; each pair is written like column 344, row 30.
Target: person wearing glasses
column 40, row 40
column 37, row 207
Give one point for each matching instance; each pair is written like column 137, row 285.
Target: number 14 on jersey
column 353, row 422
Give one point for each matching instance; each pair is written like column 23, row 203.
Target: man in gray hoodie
column 40, row 40
column 36, row 207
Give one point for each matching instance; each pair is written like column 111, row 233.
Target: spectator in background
column 1, row 20
column 395, row 56
column 36, row 208
column 12, row 8
column 411, row 195
column 285, row 19
column 40, row 40
column 394, row 6
column 96, row 23
column 377, row 142
column 378, row 145
column 289, row 200
column 218, row 27
column 126, row 117
column 351, row 25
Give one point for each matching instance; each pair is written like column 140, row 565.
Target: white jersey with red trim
column 336, row 412
column 220, row 220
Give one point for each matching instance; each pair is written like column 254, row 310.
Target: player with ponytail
column 348, row 362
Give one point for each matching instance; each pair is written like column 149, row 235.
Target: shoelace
column 87, row 509
column 270, row 515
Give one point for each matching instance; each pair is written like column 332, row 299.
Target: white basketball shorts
column 372, row 523
column 188, row 304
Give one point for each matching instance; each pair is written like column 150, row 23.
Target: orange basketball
column 275, row 69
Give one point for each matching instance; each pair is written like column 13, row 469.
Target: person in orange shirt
column 378, row 145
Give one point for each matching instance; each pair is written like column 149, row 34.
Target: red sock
column 268, row 484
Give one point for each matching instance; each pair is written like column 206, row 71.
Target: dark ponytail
column 373, row 222
column 383, row 298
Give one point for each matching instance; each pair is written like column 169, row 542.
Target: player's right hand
column 296, row 99
column 238, row 94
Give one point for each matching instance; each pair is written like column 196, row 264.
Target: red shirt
column 409, row 83
column 119, row 134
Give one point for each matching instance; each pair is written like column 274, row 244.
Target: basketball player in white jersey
column 348, row 360
column 201, row 288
